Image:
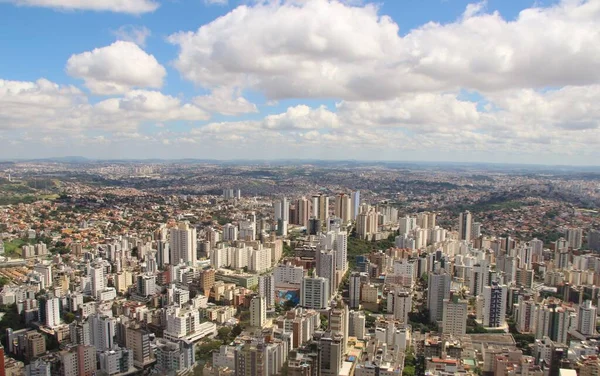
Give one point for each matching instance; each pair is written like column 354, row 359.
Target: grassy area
column 13, row 247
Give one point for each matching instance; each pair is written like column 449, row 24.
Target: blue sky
column 399, row 80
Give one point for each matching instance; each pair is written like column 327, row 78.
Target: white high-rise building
column 465, row 223
column 230, row 233
column 357, row 325
column 315, row 292
column 46, row 273
column 288, row 276
column 52, row 312
column 326, row 267
column 587, row 318
column 494, row 305
column 266, row 289
column 102, row 330
column 438, row 290
column 258, row 312
column 323, row 207
column 183, row 244
column 97, row 275
column 455, row 316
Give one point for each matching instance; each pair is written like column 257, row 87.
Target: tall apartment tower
column 266, row 289
column 465, row 222
column 355, row 283
column 455, row 316
column 574, row 237
column 494, row 305
column 258, row 312
column 586, row 319
column 183, row 244
column 314, row 292
column 302, row 212
column 355, row 198
column 343, row 207
column 438, row 290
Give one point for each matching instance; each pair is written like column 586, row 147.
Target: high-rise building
column 574, row 237
column 138, row 340
column 455, row 316
column 475, row 230
column 102, row 329
column 323, row 207
column 593, row 238
column 400, row 304
column 230, row 233
column 494, row 305
column 586, row 319
column 116, row 361
column 183, row 244
column 343, row 207
column 78, row 361
column 177, row 356
column 315, row 292
column 331, row 349
column 266, row 289
column 464, row 225
column 354, row 289
column 146, row 285
column 357, row 325
column 258, row 311
column 97, row 274
column 302, row 212
column 355, row 198
column 438, row 290
column 37, row 368
column 49, row 311
column 326, row 267
column 281, row 210
column 338, row 322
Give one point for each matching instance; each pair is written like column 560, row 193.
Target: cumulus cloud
column 288, row 49
column 116, row 69
column 133, row 33
column 118, row 6
column 225, row 101
column 46, row 106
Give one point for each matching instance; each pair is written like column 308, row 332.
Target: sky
column 512, row 81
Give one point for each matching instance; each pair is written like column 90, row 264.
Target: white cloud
column 116, row 69
column 289, row 49
column 133, row 33
column 48, row 107
column 140, row 106
column 225, row 101
column 118, row 6
column 42, row 104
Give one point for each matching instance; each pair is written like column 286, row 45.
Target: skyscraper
column 323, row 207
column 266, row 289
column 49, row 311
column 355, row 283
column 302, row 212
column 258, row 312
column 464, row 225
column 343, row 207
column 355, row 198
column 438, row 290
column 183, row 244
